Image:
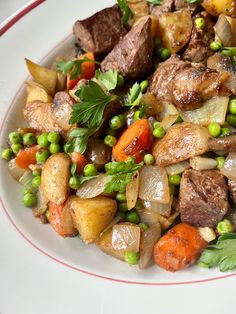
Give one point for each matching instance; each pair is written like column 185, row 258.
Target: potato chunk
column 92, row 216
column 36, row 91
column 216, row 7
column 55, row 177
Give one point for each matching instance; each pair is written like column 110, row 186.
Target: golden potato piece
column 92, row 216
column 216, row 7
column 55, row 177
column 43, row 76
column 36, row 91
column 61, row 82
column 175, row 28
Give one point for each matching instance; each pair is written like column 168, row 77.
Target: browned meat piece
column 181, row 142
column 185, row 84
column 62, row 108
column 132, row 56
column 167, row 6
column 198, row 49
column 39, row 116
column 226, row 143
column 203, row 198
column 182, row 4
column 232, row 190
column 100, row 32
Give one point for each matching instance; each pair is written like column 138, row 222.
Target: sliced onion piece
column 94, row 187
column 126, row 237
column 132, row 191
column 162, row 209
column 42, row 203
column 148, row 240
column 229, row 168
column 14, row 170
column 148, row 217
column 213, row 110
column 115, row 221
column 177, row 168
column 26, row 180
column 168, row 121
column 231, row 83
column 202, row 163
column 225, row 29
column 168, row 110
column 153, row 185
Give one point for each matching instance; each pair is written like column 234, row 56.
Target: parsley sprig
column 73, row 66
column 223, row 253
column 156, row 2
column 109, row 78
column 193, row 1
column 127, row 13
column 120, row 174
column 79, row 140
column 91, row 108
column 134, row 96
column 79, row 177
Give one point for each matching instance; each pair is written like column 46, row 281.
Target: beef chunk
column 203, row 198
column 199, row 49
column 100, row 32
column 171, row 6
column 226, row 143
column 184, row 84
column 232, row 190
column 182, row 4
column 132, row 56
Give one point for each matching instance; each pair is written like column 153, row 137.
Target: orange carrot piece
column 179, row 248
column 136, row 141
column 80, row 160
column 27, row 156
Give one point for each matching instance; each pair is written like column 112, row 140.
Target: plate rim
column 4, row 27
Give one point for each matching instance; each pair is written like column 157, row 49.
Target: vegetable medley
column 131, row 142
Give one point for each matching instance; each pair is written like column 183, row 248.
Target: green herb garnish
column 134, row 96
column 156, row 2
column 193, row 1
column 127, row 13
column 109, row 78
column 79, row 140
column 223, row 253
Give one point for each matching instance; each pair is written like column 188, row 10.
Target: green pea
column 156, row 124
column 138, row 204
column 143, row 226
column 121, row 197
column 53, row 137
column 109, row 131
column 224, row 226
column 232, row 106
column 110, row 140
column 90, row 170
column 215, row 45
column 136, row 115
column 174, row 179
column 220, row 162
column 43, row 140
column 16, row 148
column 7, row 154
column 133, row 217
column 164, row 54
column 200, row 22
column 36, row 172
column 29, row 200
column 159, row 132
column 26, row 191
column 144, row 86
column 42, row 156
column 29, row 139
column 123, row 207
column 224, row 132
column 115, row 123
column 54, row 148
column 74, row 183
column 120, row 81
column 15, row 138
column 214, row 129
column 122, row 118
column 36, row 182
column 131, row 258
column 231, row 119
column 148, row 159
column 158, row 42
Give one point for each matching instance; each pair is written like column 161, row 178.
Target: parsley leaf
column 109, row 78
column 73, row 168
column 127, row 13
column 74, row 66
column 193, row 1
column 120, row 174
column 134, row 96
column 81, row 179
column 91, row 108
column 79, row 141
column 156, row 2
column 223, row 253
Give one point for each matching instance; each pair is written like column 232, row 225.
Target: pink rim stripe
column 19, row 16
column 2, row 31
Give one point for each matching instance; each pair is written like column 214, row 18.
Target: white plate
column 46, row 31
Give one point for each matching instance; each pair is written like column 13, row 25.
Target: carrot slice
column 80, row 160
column 136, row 141
column 27, row 156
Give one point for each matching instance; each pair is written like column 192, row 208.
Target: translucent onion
column 177, row 168
column 41, row 204
column 168, row 110
column 94, row 187
column 148, row 240
column 162, row 209
column 14, row 170
column 225, row 29
column 151, row 104
column 115, row 221
column 98, row 152
column 231, row 83
column 132, row 191
column 202, row 163
column 213, row 110
column 26, row 180
column 126, row 237
column 168, row 121
column 153, row 185
column 229, row 168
